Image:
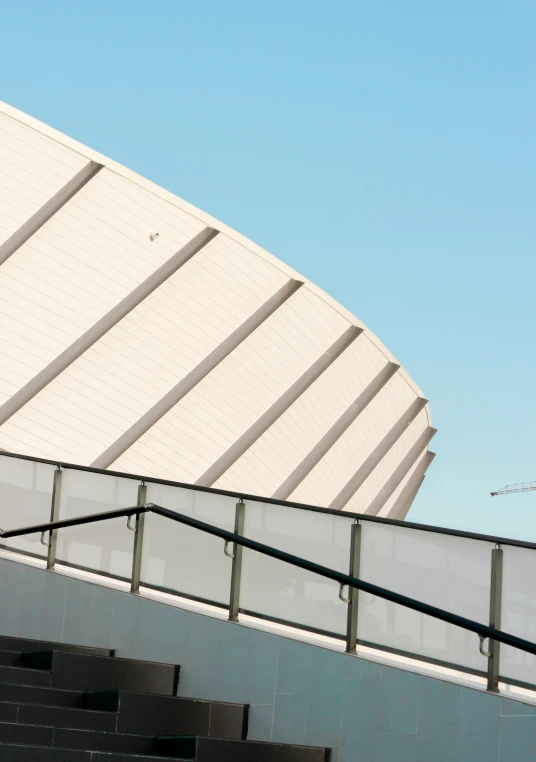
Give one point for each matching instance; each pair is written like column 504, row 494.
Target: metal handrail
column 482, row 630
column 284, row 503
column 64, row 523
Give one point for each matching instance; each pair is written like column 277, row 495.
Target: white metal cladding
column 373, row 484
column 399, row 504
column 86, row 259
column 33, row 169
column 276, row 454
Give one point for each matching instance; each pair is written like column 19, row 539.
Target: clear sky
column 384, row 149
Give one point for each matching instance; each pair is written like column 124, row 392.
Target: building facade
column 139, row 334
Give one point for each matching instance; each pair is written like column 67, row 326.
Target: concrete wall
column 299, row 693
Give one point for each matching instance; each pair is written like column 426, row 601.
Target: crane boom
column 511, row 488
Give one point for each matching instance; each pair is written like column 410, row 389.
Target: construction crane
column 511, row 488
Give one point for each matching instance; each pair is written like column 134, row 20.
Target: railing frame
column 138, row 541
column 482, row 630
column 492, row 633
column 271, row 501
column 353, row 597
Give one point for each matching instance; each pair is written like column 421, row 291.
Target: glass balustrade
column 446, row 569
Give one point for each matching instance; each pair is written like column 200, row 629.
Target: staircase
column 62, row 703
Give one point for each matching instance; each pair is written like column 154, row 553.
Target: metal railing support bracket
column 495, row 618
column 353, row 599
column 138, row 540
column 236, row 570
column 54, row 516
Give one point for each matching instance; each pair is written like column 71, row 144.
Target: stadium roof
column 139, row 333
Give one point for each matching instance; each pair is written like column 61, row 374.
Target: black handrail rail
column 90, row 518
column 281, row 555
column 284, row 503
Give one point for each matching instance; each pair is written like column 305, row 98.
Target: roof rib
column 368, row 466
column 48, row 210
column 293, row 481
column 403, row 468
column 402, row 504
column 270, row 416
column 102, row 326
column 196, row 375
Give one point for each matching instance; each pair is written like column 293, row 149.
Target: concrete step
column 30, row 694
column 27, row 753
column 170, row 715
column 25, row 743
column 57, row 716
column 75, row 704
column 30, row 753
column 87, row 672
column 9, row 643
column 80, row 740
column 10, row 658
column 24, row 676
column 218, row 750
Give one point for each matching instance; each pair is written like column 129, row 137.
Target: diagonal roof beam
column 368, row 466
column 335, row 432
column 274, row 412
column 196, row 375
column 48, row 210
column 404, row 501
column 403, row 468
column 102, row 326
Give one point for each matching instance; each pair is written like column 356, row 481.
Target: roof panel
column 358, row 441
column 140, row 359
column 280, row 450
column 394, row 497
column 32, row 169
column 228, row 401
column 370, row 488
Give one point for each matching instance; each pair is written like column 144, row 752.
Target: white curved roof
column 138, row 333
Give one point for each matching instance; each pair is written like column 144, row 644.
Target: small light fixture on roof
column 153, row 235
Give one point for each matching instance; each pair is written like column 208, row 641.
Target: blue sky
column 385, row 150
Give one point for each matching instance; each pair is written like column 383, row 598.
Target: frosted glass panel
column 25, row 499
column 104, row 546
column 452, row 573
column 183, row 559
column 519, row 611
column 282, row 591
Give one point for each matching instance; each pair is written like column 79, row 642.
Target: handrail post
column 138, row 541
column 236, row 569
column 495, row 617
column 353, row 593
column 54, row 516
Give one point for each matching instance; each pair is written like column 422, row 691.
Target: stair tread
column 30, row 753
column 84, row 671
column 63, row 708
column 64, row 754
column 151, row 714
column 19, row 675
column 9, row 658
column 5, row 668
column 240, row 741
column 66, row 738
column 98, row 657
column 160, row 697
column 58, row 716
column 26, row 694
column 12, row 643
column 203, row 748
